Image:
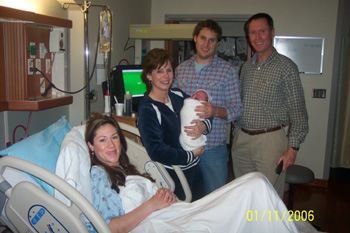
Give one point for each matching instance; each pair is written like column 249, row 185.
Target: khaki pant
column 260, row 153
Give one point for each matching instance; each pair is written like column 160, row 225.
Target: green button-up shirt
column 272, row 95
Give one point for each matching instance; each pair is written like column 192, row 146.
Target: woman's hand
column 198, row 152
column 195, row 130
column 163, row 198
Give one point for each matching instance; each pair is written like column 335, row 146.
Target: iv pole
column 85, row 9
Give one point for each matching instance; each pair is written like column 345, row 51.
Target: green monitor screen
column 133, row 83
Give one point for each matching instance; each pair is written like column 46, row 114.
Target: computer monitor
column 133, row 83
column 128, row 78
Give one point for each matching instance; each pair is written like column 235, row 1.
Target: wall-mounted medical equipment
column 57, row 43
column 140, row 32
column 105, row 35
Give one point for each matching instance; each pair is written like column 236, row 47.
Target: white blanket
column 187, row 115
column 237, row 207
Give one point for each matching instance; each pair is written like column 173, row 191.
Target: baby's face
column 200, row 95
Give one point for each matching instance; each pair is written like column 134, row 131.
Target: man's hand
column 288, row 158
column 206, row 110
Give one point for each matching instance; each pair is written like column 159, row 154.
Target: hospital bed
column 26, row 207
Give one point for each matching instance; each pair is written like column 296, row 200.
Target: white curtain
column 341, row 143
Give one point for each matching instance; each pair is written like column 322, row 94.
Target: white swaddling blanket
column 224, row 210
column 187, row 115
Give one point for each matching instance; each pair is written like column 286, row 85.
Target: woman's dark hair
column 154, row 59
column 117, row 175
column 210, row 24
column 259, row 16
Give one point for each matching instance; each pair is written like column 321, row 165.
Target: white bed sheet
column 224, row 210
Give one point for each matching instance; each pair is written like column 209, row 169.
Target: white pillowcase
column 73, row 164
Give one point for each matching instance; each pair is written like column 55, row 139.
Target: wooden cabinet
column 23, row 37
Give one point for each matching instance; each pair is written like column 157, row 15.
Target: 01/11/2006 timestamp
column 289, row 215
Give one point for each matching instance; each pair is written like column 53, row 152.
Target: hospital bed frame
column 28, row 208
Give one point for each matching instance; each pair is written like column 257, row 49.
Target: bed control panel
column 152, row 169
column 43, row 221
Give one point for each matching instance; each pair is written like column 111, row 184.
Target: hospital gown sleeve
column 106, row 200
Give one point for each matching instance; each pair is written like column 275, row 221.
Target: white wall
column 314, row 18
column 124, row 13
column 44, row 7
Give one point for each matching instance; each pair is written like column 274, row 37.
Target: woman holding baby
column 160, row 125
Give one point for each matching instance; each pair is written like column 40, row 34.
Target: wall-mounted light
column 20, row 4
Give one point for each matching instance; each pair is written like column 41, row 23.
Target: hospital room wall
column 314, row 18
column 124, row 13
column 39, row 119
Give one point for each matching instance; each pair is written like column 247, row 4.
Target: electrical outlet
column 38, row 65
column 30, row 65
column 47, row 65
column 42, row 50
column 319, row 93
column 42, row 85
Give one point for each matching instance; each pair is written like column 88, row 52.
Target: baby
column 187, row 115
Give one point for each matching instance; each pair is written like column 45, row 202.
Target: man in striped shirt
column 272, row 97
column 205, row 70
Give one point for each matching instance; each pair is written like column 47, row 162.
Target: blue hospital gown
column 106, row 200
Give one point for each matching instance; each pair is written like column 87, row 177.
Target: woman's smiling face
column 162, row 77
column 106, row 145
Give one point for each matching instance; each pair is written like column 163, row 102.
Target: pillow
column 73, row 164
column 42, row 148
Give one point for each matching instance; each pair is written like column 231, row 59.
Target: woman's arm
column 163, row 198
column 154, row 140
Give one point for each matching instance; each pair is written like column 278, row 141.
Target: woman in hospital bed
column 131, row 202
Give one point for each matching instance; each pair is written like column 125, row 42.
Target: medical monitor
column 128, row 78
column 132, row 82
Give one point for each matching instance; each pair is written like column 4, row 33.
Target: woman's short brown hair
column 154, row 59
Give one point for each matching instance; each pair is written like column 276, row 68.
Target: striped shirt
column 220, row 80
column 272, row 95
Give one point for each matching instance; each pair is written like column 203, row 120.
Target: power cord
column 51, row 85
column 127, row 48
